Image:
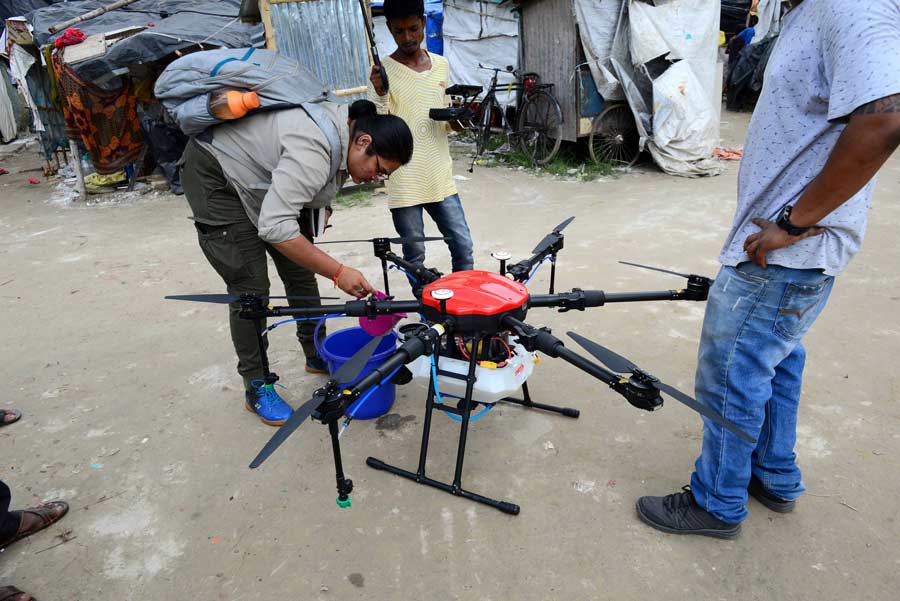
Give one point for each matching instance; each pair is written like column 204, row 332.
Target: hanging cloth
column 106, row 121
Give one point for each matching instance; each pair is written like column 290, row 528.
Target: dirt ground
column 133, row 413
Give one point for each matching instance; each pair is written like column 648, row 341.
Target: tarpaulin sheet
column 597, row 42
column 8, row 129
column 170, row 25
column 663, row 57
column 769, row 13
column 17, row 8
column 480, row 32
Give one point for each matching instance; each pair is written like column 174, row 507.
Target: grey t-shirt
column 832, row 57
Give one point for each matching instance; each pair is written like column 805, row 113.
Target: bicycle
column 538, row 128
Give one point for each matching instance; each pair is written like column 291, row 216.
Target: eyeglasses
column 381, row 171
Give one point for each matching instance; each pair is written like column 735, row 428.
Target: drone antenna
column 654, row 269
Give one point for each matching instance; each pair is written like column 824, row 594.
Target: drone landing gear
column 464, row 410
column 526, row 402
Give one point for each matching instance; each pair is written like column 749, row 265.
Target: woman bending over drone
column 263, row 185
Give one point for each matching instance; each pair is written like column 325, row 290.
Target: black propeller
column 552, row 237
column 225, row 299
column 398, row 240
column 350, row 370
column 684, row 275
column 620, row 364
column 298, row 417
column 346, row 374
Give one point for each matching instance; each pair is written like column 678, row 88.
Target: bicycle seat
column 463, row 90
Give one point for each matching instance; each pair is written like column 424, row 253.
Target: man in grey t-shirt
column 827, row 120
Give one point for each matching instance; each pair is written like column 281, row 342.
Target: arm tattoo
column 888, row 104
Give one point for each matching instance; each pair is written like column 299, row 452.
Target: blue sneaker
column 264, row 401
column 316, row 365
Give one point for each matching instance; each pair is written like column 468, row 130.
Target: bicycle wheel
column 483, row 128
column 540, row 127
column 614, row 136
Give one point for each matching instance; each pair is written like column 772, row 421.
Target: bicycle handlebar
column 508, row 69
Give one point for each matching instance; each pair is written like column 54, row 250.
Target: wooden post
column 265, row 11
column 76, row 166
column 89, row 15
column 350, row 91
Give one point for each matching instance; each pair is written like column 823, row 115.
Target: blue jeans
column 749, row 370
column 451, row 221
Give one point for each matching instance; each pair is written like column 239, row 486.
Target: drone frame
column 331, row 402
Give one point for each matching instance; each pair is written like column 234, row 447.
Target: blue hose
column 440, row 401
column 538, row 266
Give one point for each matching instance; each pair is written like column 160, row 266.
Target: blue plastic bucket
column 338, row 347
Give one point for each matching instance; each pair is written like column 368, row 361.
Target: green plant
column 565, row 164
column 358, row 198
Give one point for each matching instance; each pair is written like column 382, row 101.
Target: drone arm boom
column 577, row 299
column 423, row 275
column 636, row 297
column 550, row 345
column 580, row 300
column 521, row 270
column 362, row 308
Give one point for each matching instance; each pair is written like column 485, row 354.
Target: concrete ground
column 133, row 413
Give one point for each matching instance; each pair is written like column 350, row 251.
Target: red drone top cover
column 475, row 293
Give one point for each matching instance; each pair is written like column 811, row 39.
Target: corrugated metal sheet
column 327, row 36
column 549, row 47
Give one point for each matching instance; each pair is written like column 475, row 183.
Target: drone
column 473, row 346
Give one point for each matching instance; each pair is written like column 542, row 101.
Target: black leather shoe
column 679, row 514
column 773, row 502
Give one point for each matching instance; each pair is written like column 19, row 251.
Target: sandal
column 7, row 417
column 11, row 593
column 46, row 517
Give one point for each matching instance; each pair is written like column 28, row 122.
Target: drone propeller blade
column 398, row 240
column 552, row 236
column 224, row 299
column 703, row 410
column 350, row 370
column 418, row 239
column 615, row 362
column 343, row 241
column 654, row 269
column 622, row 365
column 563, row 225
column 298, row 417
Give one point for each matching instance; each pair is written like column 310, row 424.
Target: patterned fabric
column 105, row 121
column 428, row 177
column 833, row 56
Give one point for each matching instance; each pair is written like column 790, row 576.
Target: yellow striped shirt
column 428, row 177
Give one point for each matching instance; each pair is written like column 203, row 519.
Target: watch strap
column 784, row 222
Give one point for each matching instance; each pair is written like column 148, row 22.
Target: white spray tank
column 492, row 383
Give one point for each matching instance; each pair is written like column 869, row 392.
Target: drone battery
column 491, row 384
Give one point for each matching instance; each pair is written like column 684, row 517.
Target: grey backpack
column 279, row 81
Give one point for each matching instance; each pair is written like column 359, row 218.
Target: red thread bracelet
column 337, row 274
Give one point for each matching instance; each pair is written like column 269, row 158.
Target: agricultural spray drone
column 473, row 346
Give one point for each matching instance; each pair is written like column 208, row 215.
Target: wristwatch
column 784, row 222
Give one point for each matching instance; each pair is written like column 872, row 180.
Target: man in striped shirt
column 417, row 83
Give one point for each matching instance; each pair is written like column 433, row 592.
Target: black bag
column 166, row 145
